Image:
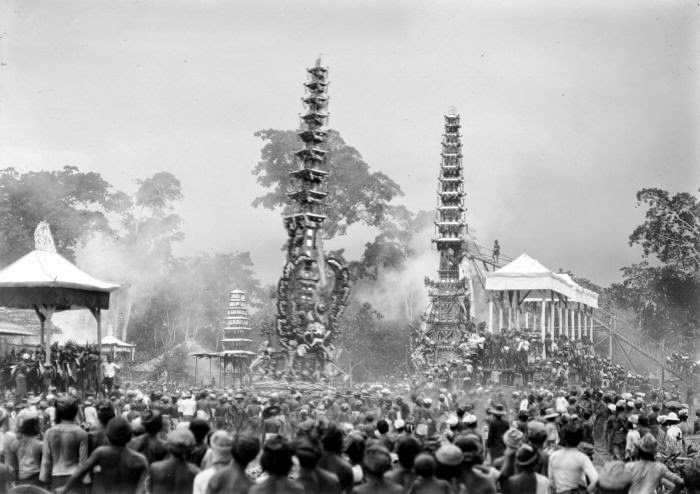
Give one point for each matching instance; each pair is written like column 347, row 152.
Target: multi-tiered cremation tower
column 447, row 315
column 313, row 290
column 235, row 337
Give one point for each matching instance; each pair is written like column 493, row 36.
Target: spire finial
column 43, row 239
column 452, row 110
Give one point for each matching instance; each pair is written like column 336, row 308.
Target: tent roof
column 526, row 273
column 523, row 265
column 49, row 269
column 47, row 278
column 111, row 340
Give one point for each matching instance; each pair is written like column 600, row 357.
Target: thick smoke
column 401, row 294
column 106, row 259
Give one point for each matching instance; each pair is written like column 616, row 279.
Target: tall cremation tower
column 447, row 315
column 313, row 290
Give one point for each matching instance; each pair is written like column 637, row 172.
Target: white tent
column 527, row 274
column 525, row 287
column 115, row 345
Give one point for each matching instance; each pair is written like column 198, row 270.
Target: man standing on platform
column 109, row 370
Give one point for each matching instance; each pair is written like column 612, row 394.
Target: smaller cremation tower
column 237, row 325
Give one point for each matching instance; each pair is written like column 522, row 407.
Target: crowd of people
column 411, row 437
column 520, row 358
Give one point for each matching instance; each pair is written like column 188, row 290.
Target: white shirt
column 109, row 369
column 188, row 406
column 566, row 467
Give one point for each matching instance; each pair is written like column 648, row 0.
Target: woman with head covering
column 233, row 478
column 217, row 457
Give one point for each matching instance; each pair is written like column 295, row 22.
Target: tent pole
column 48, row 314
column 195, row 370
column 578, row 317
column 490, row 314
column 542, row 328
column 98, row 318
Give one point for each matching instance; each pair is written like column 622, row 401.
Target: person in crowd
column 528, row 480
column 614, row 479
column 355, row 451
column 632, row 438
column 497, row 428
column 65, row 446
column 647, row 472
column 217, row 458
column 376, row 463
column 200, row 429
column 568, row 466
column 116, row 468
column 332, row 460
column 109, row 371
column 276, row 462
column 685, row 425
column 23, row 453
column 315, row 480
column 407, row 448
column 449, row 465
column 174, row 475
column 673, row 441
column 97, row 436
column 426, row 482
column 233, row 478
column 149, row 444
column 473, row 478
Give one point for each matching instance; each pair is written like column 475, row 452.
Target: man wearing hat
column 647, row 472
column 526, row 458
column 497, row 428
column 674, row 436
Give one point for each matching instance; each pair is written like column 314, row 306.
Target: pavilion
column 46, row 282
column 558, row 305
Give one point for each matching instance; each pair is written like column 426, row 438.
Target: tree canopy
column 355, row 194
column 73, row 202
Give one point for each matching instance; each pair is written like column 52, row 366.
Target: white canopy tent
column 525, row 286
column 115, row 345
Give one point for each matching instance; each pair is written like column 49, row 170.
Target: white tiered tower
column 237, row 327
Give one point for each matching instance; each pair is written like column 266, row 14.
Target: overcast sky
column 568, row 108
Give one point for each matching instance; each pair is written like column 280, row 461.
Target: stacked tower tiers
column 237, row 324
column 448, row 314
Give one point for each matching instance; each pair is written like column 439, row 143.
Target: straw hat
column 672, row 418
column 550, row 413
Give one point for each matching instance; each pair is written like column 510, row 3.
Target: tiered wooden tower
column 235, row 343
column 237, row 326
column 448, row 313
column 313, row 290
